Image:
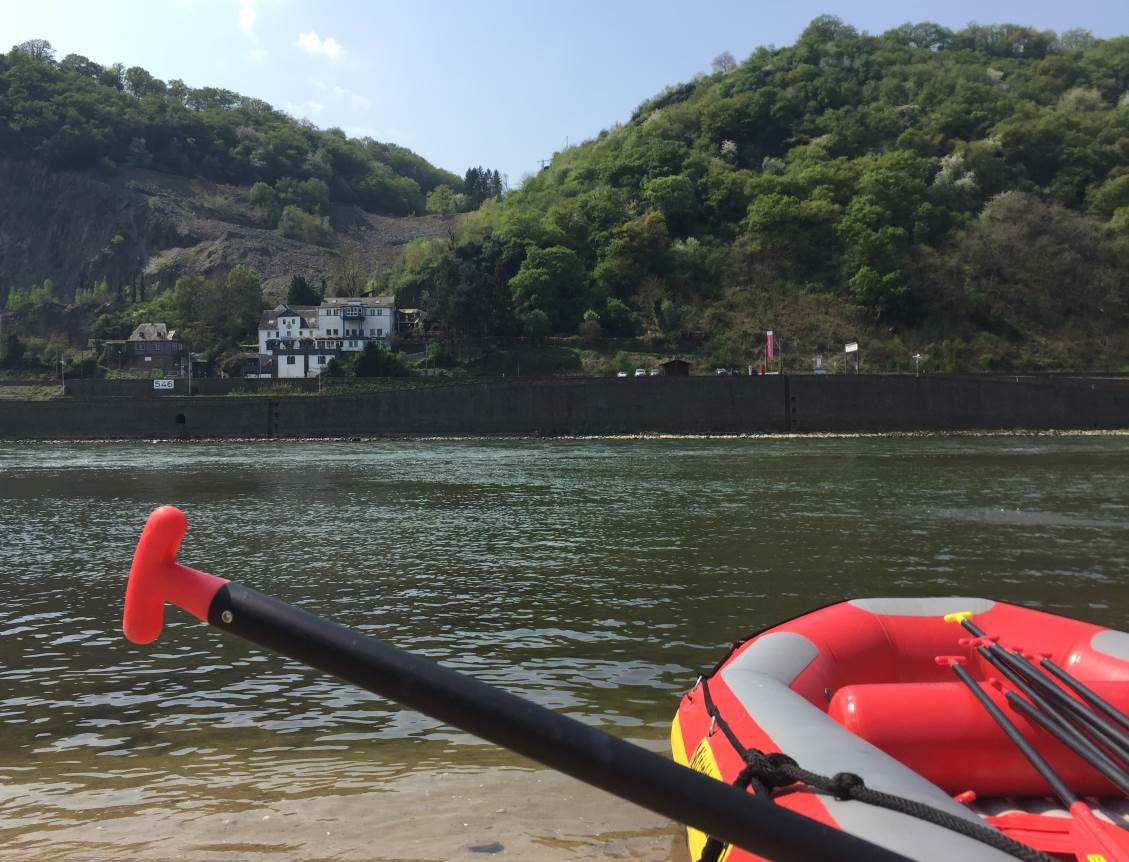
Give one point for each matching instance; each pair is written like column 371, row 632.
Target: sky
column 501, row 83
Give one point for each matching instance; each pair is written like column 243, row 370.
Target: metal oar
column 1099, row 845
column 749, row 821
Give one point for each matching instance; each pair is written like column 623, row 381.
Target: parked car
column 654, row 372
column 640, row 372
column 720, row 372
column 621, row 374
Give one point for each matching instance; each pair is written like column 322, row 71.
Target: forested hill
column 74, row 113
column 961, row 193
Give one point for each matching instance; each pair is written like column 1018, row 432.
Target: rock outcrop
column 134, row 227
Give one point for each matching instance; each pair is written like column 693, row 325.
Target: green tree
column 443, row 200
column 211, row 314
column 14, row 351
column 537, row 325
column 552, row 281
column 675, row 198
column 265, row 200
column 301, row 292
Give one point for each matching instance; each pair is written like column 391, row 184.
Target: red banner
column 770, row 349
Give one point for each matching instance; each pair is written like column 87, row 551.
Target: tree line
column 923, row 185
column 75, row 113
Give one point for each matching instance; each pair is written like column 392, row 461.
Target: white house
column 303, row 339
column 285, row 323
column 357, row 319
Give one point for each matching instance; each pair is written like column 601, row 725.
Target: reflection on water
column 593, row 577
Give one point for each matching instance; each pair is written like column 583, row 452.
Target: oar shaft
column 1062, row 730
column 1107, row 734
column 1057, row 785
column 1087, row 693
column 1072, row 740
column 1113, row 738
column 588, row 754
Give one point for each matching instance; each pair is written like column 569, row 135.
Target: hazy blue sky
column 498, row 83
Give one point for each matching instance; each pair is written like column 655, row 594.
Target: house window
column 321, row 360
column 379, row 333
column 289, row 360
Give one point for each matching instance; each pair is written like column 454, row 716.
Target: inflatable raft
column 888, row 718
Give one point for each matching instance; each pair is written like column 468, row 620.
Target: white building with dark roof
column 303, row 339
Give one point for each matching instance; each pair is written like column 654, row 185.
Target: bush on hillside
column 296, row 223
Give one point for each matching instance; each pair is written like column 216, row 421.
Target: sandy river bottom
column 496, row 812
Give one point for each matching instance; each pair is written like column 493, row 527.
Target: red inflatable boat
column 940, row 728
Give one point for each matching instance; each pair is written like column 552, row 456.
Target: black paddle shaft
column 1057, row 785
column 1087, row 693
column 1055, row 723
column 567, row 745
column 1110, row 736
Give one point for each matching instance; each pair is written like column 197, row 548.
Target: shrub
column 438, row 356
column 376, row 360
column 590, row 332
column 296, row 223
column 537, row 326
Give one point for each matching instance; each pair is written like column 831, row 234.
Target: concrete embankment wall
column 886, row 403
column 725, row 405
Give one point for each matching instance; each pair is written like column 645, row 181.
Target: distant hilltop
column 962, row 196
column 109, row 173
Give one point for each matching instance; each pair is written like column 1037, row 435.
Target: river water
column 595, row 577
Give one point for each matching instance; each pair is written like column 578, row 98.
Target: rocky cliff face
column 135, row 227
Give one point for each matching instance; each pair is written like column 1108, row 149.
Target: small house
column 675, row 368
column 150, row 345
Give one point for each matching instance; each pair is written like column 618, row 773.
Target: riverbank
column 1049, row 433
column 578, row 407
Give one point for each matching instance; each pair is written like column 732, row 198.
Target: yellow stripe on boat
column 704, row 762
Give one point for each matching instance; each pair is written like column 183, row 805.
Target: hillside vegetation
column 77, row 114
column 963, row 194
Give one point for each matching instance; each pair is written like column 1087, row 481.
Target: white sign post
column 853, row 347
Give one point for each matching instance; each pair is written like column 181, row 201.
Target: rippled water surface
column 594, row 577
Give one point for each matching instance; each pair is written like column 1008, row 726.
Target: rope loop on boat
column 765, row 772
column 844, row 784
column 770, row 769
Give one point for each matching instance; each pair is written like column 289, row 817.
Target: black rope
column 777, row 770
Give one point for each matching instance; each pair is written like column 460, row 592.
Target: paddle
column 749, row 821
column 1087, row 693
column 1113, row 738
column 1071, row 739
column 1098, row 845
column 1044, row 713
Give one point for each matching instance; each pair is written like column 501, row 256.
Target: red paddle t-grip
column 156, row 577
